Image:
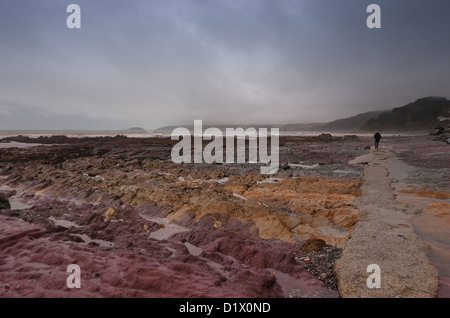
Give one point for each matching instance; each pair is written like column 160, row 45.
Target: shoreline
column 108, row 182
column 34, row 134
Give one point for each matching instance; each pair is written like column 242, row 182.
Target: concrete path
column 384, row 236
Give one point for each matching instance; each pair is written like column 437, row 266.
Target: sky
column 154, row 63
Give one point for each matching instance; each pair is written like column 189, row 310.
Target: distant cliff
column 423, row 114
column 353, row 123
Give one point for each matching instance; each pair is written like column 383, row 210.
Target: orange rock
column 313, row 245
column 425, row 192
column 109, row 213
column 307, row 207
column 271, row 227
column 346, row 216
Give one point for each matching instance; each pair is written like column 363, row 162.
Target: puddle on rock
column 87, row 240
column 168, row 228
column 63, row 223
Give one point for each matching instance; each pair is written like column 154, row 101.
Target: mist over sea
column 84, row 133
column 156, row 133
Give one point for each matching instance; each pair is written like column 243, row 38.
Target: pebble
column 320, row 264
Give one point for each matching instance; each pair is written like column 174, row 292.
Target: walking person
column 377, row 137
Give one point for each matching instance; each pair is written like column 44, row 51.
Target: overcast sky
column 166, row 62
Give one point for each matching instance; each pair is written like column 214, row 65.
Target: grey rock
column 4, row 203
column 437, row 131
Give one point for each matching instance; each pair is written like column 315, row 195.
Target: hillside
column 420, row 115
column 353, row 123
column 349, row 124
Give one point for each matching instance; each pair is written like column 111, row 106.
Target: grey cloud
column 152, row 63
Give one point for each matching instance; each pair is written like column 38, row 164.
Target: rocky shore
column 139, row 225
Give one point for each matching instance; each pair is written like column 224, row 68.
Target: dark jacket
column 377, row 136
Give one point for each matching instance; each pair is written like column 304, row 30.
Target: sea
column 159, row 133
